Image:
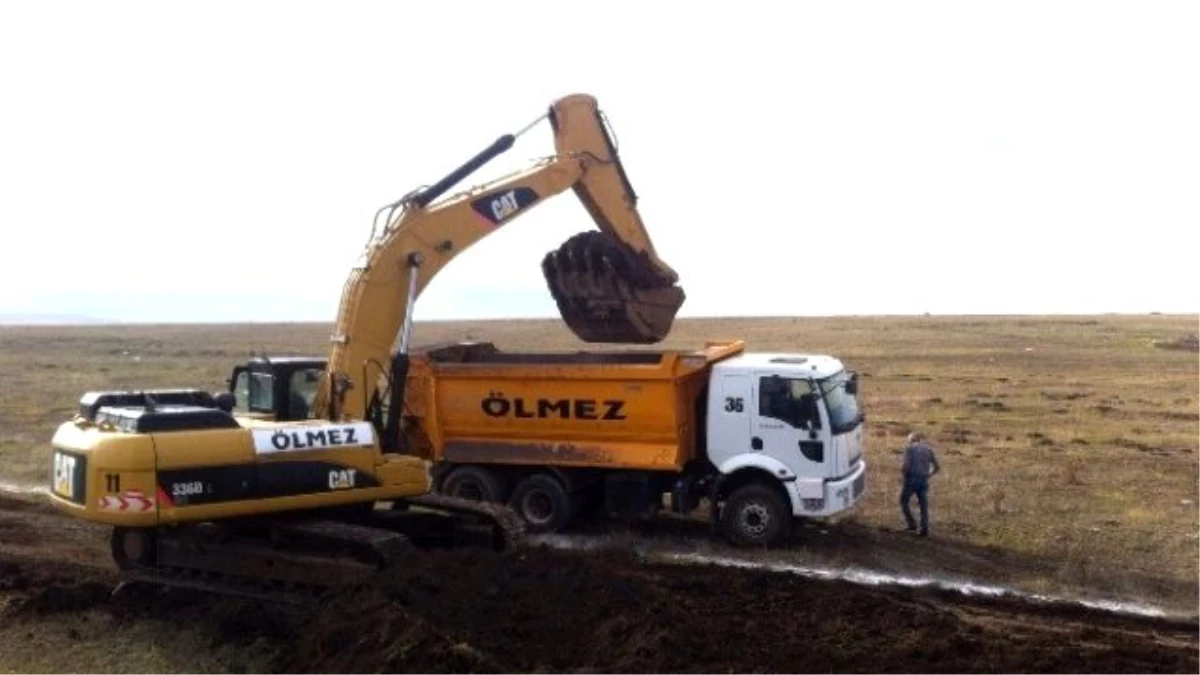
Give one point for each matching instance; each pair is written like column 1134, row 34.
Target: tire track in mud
column 566, row 610
column 669, row 551
column 870, row 578
column 684, row 544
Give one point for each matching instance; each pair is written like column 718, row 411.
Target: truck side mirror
column 852, row 384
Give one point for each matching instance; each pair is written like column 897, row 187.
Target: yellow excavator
column 298, row 475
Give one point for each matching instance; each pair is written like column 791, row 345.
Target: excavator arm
column 610, row 285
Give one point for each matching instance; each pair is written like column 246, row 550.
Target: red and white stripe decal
column 132, row 500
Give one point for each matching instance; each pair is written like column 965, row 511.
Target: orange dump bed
column 628, row 409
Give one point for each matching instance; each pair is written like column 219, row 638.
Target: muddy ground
column 542, row 609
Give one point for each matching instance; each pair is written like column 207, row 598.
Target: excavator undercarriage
column 297, row 556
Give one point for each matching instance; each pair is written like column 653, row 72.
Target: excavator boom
column 609, row 284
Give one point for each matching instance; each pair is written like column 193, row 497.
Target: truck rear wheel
column 542, row 502
column 755, row 515
column 475, row 483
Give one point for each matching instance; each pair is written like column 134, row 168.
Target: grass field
column 1067, row 439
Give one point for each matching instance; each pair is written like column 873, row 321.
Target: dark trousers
column 920, row 488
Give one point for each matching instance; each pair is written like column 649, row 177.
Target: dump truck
column 762, row 439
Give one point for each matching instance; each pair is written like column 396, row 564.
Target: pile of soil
column 543, row 610
column 561, row 611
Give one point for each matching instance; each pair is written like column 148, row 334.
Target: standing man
column 919, row 465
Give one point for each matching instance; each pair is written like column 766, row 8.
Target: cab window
column 303, row 388
column 241, row 389
column 789, row 400
column 262, row 392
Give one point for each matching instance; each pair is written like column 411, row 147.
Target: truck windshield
column 843, row 407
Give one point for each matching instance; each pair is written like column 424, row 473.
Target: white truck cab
column 785, row 433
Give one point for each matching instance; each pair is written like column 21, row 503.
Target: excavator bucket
column 606, row 292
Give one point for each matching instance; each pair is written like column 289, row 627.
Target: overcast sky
column 223, row 160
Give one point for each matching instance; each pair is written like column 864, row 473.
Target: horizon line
column 49, row 320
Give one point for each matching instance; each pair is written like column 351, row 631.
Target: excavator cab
column 277, row 389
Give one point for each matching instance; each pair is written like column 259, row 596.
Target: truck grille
column 859, row 484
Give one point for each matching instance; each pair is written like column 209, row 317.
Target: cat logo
column 504, row 205
column 497, row 207
column 341, row 479
column 64, row 475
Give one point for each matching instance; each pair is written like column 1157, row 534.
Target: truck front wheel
column 542, row 502
column 755, row 515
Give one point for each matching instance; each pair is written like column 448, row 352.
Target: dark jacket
column 919, row 462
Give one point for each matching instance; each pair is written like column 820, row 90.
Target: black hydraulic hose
column 439, row 188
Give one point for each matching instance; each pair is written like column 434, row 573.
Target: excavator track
column 606, row 292
column 298, row 559
column 505, row 531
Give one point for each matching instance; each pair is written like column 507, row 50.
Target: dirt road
column 542, row 609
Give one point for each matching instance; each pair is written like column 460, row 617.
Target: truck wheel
column 755, row 515
column 476, row 483
column 542, row 502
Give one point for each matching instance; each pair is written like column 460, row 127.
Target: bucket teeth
column 606, row 292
